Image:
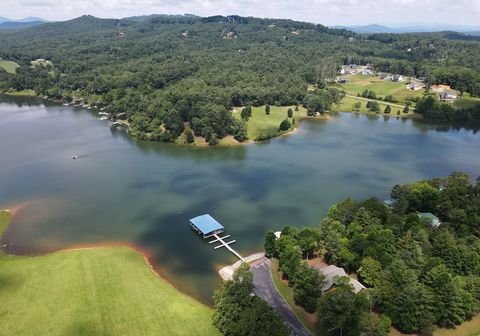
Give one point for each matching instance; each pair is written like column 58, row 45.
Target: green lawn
column 466, row 102
column 359, row 83
column 21, row 93
column 287, row 293
column 261, row 124
column 346, row 105
column 102, row 291
column 9, row 66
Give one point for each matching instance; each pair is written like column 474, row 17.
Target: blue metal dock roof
column 206, row 224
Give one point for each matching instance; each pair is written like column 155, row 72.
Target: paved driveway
column 265, row 288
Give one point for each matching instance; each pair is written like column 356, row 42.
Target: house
column 434, row 220
column 398, row 78
column 231, row 35
column 447, row 96
column 331, row 271
column 367, row 72
column 341, row 80
column 342, row 71
column 388, row 203
column 206, row 225
column 40, row 60
column 351, row 39
column 415, row 86
column 440, row 88
column 384, row 76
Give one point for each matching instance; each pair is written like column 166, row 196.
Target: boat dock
column 208, row 227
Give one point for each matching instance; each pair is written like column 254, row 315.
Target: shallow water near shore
column 144, row 193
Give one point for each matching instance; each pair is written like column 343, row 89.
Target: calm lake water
column 144, row 193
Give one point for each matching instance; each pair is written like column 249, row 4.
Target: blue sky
column 328, row 12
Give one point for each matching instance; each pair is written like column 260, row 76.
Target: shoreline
column 146, row 255
column 202, row 144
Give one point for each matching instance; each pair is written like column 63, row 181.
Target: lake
column 123, row 190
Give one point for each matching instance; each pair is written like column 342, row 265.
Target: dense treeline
column 240, row 313
column 432, row 109
column 419, row 276
column 166, row 74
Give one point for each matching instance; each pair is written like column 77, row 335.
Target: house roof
column 428, row 215
column 332, row 271
column 357, row 286
column 206, row 224
column 388, row 202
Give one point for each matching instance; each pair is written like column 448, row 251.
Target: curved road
column 265, row 289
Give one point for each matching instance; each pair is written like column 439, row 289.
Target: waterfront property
column 388, row 203
column 332, row 271
column 206, row 225
column 248, row 189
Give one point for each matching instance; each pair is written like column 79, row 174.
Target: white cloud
column 329, row 12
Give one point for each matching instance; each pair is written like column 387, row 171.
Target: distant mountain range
column 375, row 29
column 30, row 21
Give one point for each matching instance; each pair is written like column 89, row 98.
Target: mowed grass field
column 359, row 83
column 9, row 66
column 21, row 93
column 346, row 105
column 466, row 102
column 101, row 291
column 261, row 124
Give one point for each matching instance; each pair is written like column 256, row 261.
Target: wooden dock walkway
column 226, row 245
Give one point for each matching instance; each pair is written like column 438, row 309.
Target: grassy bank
column 307, row 319
column 101, row 291
column 9, row 66
column 346, row 105
column 359, row 83
column 261, row 124
column 20, row 93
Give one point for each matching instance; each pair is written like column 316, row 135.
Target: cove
column 142, row 193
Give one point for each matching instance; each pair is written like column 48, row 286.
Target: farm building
column 206, row 225
column 435, row 221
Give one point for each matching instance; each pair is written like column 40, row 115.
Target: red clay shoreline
column 147, row 256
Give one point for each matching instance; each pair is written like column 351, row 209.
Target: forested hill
column 166, row 72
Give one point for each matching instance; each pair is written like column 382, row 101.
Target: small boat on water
column 103, row 118
column 74, row 157
column 103, row 113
